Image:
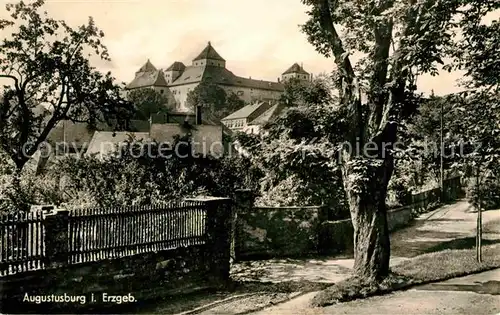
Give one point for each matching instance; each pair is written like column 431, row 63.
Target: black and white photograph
column 265, row 157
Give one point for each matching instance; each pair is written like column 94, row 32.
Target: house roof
column 244, row 112
column 147, row 67
column 223, row 76
column 269, row 114
column 104, row 142
column 209, row 53
column 80, row 134
column 176, row 66
column 295, row 68
column 144, row 79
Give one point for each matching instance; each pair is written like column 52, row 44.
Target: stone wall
column 400, row 217
column 274, row 231
column 337, row 236
column 143, row 276
column 294, row 231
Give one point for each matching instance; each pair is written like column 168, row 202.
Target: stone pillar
column 218, row 236
column 56, row 238
column 244, row 200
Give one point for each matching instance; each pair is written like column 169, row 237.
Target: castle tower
column 174, row 71
column 146, row 68
column 295, row 72
column 150, row 77
column 209, row 57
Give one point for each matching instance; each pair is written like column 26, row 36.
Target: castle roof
column 295, row 68
column 147, row 67
column 144, row 79
column 209, row 53
column 223, row 76
column 176, row 66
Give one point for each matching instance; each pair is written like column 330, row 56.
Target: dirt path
column 449, row 227
column 474, row 294
column 452, row 226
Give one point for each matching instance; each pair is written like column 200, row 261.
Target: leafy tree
column 136, row 174
column 296, row 154
column 423, row 136
column 214, row 100
column 45, row 61
column 477, row 54
column 148, row 102
column 233, row 103
column 398, row 41
column 303, row 92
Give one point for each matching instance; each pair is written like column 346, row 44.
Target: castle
column 178, row 80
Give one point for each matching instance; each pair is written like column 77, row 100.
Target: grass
column 448, row 264
column 426, row 268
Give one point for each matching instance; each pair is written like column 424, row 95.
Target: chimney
column 278, row 80
column 198, row 115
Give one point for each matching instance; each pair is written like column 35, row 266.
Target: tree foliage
column 299, row 92
column 148, row 102
column 133, row 175
column 296, row 153
column 479, row 143
column 397, row 41
column 45, row 62
column 214, row 100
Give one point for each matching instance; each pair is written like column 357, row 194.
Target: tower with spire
column 296, row 72
column 209, row 57
column 179, row 79
column 149, row 76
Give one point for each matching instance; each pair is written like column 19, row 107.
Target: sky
column 258, row 38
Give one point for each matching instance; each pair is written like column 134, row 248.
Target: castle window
column 161, row 91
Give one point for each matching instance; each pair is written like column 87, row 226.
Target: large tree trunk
column 366, row 191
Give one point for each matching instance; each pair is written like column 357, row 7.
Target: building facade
column 178, row 79
column 251, row 118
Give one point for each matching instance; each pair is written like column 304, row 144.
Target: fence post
column 244, row 200
column 218, row 220
column 56, row 238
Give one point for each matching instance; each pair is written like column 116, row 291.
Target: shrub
column 128, row 178
column 488, row 193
